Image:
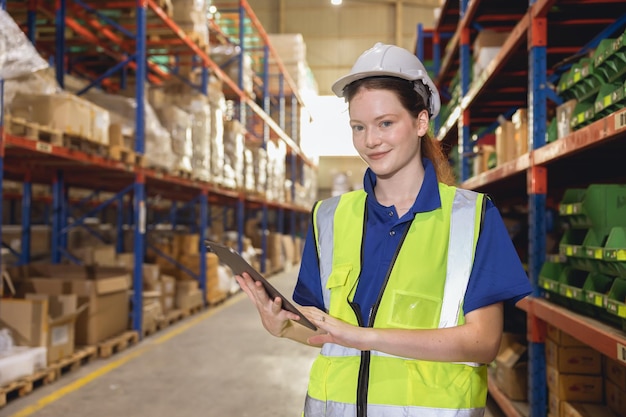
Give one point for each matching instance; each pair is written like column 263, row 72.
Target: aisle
column 220, row 363
column 216, row 364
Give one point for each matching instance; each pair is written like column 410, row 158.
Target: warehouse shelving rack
column 108, row 49
column 543, row 34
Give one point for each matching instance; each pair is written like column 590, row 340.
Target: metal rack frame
column 545, row 38
column 79, row 169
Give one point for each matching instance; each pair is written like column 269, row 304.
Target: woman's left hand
column 332, row 330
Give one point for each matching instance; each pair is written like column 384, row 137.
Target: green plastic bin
column 596, row 291
column 616, row 301
column 600, row 206
column 614, row 253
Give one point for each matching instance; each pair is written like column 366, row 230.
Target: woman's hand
column 274, row 318
column 333, row 330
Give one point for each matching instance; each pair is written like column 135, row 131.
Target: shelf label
column 621, row 353
column 620, row 120
column 43, row 147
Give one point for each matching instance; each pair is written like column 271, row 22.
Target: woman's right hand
column 274, row 318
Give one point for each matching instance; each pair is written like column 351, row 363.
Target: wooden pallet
column 80, row 357
column 193, row 310
column 85, row 145
column 122, row 154
column 24, row 386
column 117, row 344
column 170, row 318
column 16, row 126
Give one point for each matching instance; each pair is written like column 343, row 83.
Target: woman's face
column 384, row 133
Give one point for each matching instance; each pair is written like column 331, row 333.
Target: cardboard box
column 554, row 404
column 615, row 398
column 187, row 301
column 578, row 409
column 564, row 114
column 505, row 142
column 573, row 359
column 104, row 290
column 520, row 126
column 561, row 338
column 97, row 255
column 42, row 320
column 615, row 372
column 574, row 387
column 151, row 275
column 512, row 371
column 66, row 112
column 489, row 38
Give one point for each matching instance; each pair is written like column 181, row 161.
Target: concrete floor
column 220, row 362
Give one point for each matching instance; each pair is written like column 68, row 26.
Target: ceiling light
column 335, row 2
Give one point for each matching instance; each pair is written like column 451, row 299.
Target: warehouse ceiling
column 336, row 35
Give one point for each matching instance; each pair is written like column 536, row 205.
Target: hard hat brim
column 339, row 85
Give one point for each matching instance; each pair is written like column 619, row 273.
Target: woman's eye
column 357, row 128
column 386, row 124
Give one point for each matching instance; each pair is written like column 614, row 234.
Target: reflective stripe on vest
column 326, row 210
column 316, row 408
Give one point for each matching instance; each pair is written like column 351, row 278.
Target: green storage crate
column 610, row 99
column 571, row 283
column 611, row 59
column 549, row 279
column 571, row 244
column 600, row 206
column 584, row 81
column 616, row 301
column 596, row 291
column 552, row 132
column 614, row 254
column 583, row 114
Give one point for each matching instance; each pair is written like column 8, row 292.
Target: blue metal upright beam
column 27, row 199
column 57, row 214
column 140, row 70
column 59, row 41
column 204, row 219
column 465, row 141
column 31, row 20
column 264, row 224
column 139, row 234
column 537, row 102
column 119, row 239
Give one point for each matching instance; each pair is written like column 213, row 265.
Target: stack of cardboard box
column 574, row 373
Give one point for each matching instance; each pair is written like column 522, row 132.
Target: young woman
column 405, row 279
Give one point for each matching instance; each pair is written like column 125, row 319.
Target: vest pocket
column 414, row 311
column 339, row 276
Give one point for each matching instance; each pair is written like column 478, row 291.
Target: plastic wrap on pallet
column 276, row 154
column 259, row 161
column 248, row 170
column 233, row 153
column 18, row 56
column 197, row 106
column 65, row 112
column 157, row 149
column 178, row 123
column 40, row 82
column 191, row 16
column 227, row 57
column 217, row 105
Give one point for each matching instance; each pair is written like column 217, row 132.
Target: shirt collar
column 428, row 198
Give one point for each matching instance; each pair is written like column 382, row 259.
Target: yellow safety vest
column 424, row 289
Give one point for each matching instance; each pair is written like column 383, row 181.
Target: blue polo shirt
column 497, row 274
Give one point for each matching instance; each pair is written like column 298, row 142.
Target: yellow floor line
column 62, row 392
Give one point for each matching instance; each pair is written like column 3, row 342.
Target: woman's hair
column 414, row 104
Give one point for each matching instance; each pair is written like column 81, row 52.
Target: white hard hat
column 392, row 61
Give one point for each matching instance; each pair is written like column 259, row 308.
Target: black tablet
column 239, row 265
